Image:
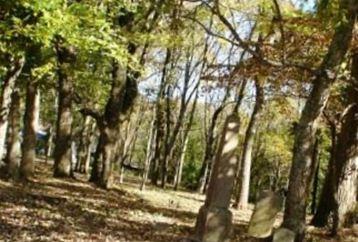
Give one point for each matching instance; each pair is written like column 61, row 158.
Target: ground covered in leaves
column 52, row 209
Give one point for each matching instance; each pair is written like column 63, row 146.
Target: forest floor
column 52, row 209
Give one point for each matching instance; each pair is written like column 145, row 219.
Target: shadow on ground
column 56, row 210
column 52, row 209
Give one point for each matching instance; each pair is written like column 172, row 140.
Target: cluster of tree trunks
column 299, row 179
column 339, row 192
column 248, row 145
column 164, row 134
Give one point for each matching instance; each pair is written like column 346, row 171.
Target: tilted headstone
column 264, row 215
column 214, row 220
column 284, row 235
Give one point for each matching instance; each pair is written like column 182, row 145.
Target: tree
column 13, row 146
column 30, row 127
column 66, row 57
column 347, row 153
column 248, row 144
column 7, row 90
column 296, row 202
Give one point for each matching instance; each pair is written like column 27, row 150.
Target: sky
column 305, row 5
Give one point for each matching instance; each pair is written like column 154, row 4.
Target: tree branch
column 92, row 113
column 279, row 19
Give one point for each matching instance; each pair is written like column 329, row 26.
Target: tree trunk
column 149, row 154
column 326, row 200
column 165, row 157
column 122, row 96
column 248, row 145
column 12, row 158
column 296, row 202
column 108, row 150
column 5, row 99
column 129, row 155
column 315, row 183
column 74, row 158
column 97, row 163
column 209, row 151
column 159, row 124
column 179, row 166
column 49, row 145
column 62, row 152
column 28, row 146
column 85, row 142
column 159, row 159
column 346, row 194
column 87, row 162
column 159, row 132
column 346, row 174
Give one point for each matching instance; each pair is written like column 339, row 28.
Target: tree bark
column 123, row 94
column 5, row 99
column 109, row 140
column 85, row 141
column 159, row 120
column 62, row 152
column 326, row 200
column 296, row 202
column 87, row 162
column 346, row 174
column 49, row 145
column 149, row 154
column 97, row 163
column 248, row 145
column 315, row 179
column 12, row 158
column 28, row 146
column 179, row 166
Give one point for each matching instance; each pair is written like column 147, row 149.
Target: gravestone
column 264, row 215
column 284, row 235
column 214, row 220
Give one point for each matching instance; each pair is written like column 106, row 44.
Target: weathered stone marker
column 284, row 235
column 214, row 219
column 264, row 215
